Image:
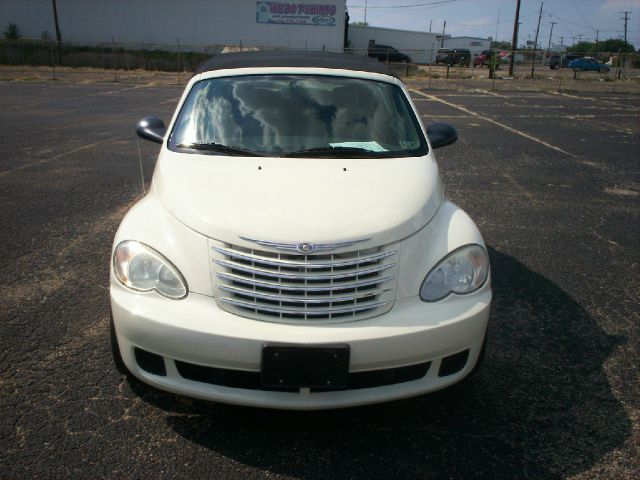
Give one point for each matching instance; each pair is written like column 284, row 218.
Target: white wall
column 191, row 22
column 418, row 45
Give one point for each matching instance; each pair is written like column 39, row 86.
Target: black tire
column 115, row 350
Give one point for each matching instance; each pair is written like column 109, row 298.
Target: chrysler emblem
column 305, row 247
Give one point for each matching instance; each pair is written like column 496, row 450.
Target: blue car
column 589, row 65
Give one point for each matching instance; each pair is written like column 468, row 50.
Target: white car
column 296, row 249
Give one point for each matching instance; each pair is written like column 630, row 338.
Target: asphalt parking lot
column 552, row 180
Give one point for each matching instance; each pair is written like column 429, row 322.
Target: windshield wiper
column 218, row 147
column 354, row 152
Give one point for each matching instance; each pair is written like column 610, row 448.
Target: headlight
column 462, row 271
column 141, row 268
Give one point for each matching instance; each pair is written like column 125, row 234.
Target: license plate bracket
column 294, row 366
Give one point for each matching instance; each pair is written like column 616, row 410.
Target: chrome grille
column 290, row 287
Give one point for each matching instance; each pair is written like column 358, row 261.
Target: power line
column 428, row 4
column 564, row 20
column 493, row 24
column 582, row 14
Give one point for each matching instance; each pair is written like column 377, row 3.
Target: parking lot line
column 494, row 94
column 495, row 122
column 40, row 103
column 511, row 179
column 591, row 99
column 448, row 117
column 56, row 157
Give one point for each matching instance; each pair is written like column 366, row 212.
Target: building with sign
column 195, row 24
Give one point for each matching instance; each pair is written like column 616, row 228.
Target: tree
column 583, row 47
column 610, row 45
column 12, row 32
column 501, row 45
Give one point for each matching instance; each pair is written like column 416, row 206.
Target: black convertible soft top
column 279, row 58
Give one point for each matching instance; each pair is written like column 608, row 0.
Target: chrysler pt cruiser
column 296, row 249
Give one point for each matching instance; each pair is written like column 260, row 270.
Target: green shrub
column 12, row 32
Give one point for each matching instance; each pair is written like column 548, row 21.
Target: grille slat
column 289, row 287
column 310, row 264
column 278, row 273
column 303, row 311
column 297, row 288
column 301, row 300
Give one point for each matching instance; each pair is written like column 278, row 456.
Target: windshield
column 280, row 115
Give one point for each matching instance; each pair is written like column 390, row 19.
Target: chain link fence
column 174, row 63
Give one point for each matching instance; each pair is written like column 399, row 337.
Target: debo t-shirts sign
column 321, row 14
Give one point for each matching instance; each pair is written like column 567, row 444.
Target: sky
column 575, row 19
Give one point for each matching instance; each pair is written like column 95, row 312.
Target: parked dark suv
column 453, row 56
column 386, row 53
column 554, row 60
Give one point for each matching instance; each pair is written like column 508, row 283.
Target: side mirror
column 441, row 135
column 151, row 128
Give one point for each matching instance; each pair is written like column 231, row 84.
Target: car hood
column 299, row 200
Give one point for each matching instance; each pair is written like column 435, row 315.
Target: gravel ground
column 551, row 179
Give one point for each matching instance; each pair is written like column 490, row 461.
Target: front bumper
column 196, row 331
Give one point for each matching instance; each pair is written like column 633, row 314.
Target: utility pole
column 561, row 41
column 626, row 18
column 535, row 42
column 444, row 27
column 626, row 46
column 550, row 36
column 514, row 40
column 430, row 25
column 580, row 38
column 497, row 26
column 58, row 34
